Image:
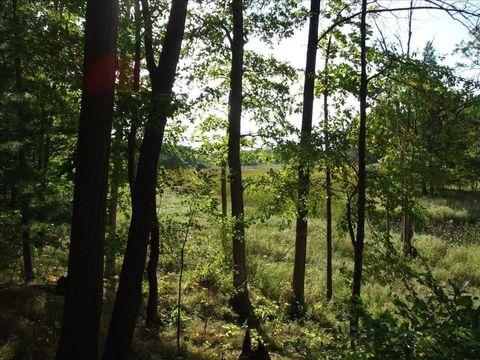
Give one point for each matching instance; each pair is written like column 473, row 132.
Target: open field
column 448, row 245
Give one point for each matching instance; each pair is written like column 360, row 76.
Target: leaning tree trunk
column 362, row 176
column 83, row 296
column 128, row 299
column 298, row 281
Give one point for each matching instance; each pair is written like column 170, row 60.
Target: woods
column 315, row 200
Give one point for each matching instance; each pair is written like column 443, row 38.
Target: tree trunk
column 240, row 302
column 298, row 281
column 407, row 234
column 83, row 300
column 407, row 228
column 223, row 185
column 110, row 267
column 132, row 134
column 24, row 200
column 362, row 175
column 128, row 299
column 26, row 243
column 328, row 177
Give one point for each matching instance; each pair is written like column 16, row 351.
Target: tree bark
column 128, row 299
column 240, row 302
column 83, row 301
column 298, row 281
column 362, row 176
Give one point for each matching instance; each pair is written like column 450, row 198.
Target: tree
column 362, row 175
column 162, row 76
column 328, row 175
column 298, row 281
column 83, row 297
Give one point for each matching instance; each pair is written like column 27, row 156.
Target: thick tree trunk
column 83, row 300
column 362, row 176
column 128, row 299
column 298, row 281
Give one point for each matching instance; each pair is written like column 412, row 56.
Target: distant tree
column 359, row 240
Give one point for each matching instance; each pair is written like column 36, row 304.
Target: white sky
column 427, row 25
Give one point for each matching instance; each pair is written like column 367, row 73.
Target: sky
column 434, row 25
column 427, row 25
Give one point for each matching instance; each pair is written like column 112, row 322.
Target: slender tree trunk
column 152, row 305
column 132, row 134
column 387, row 220
column 26, row 243
column 407, row 227
column 84, row 290
column 298, row 281
column 223, row 188
column 328, row 177
column 362, row 175
column 223, row 185
column 128, row 299
column 240, row 302
column 24, row 200
column 110, row 267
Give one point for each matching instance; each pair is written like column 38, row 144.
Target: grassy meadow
column 448, row 245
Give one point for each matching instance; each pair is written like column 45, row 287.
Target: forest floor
column 447, row 241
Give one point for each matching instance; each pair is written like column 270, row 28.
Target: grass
column 207, row 329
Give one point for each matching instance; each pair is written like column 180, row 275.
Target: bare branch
column 451, row 10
